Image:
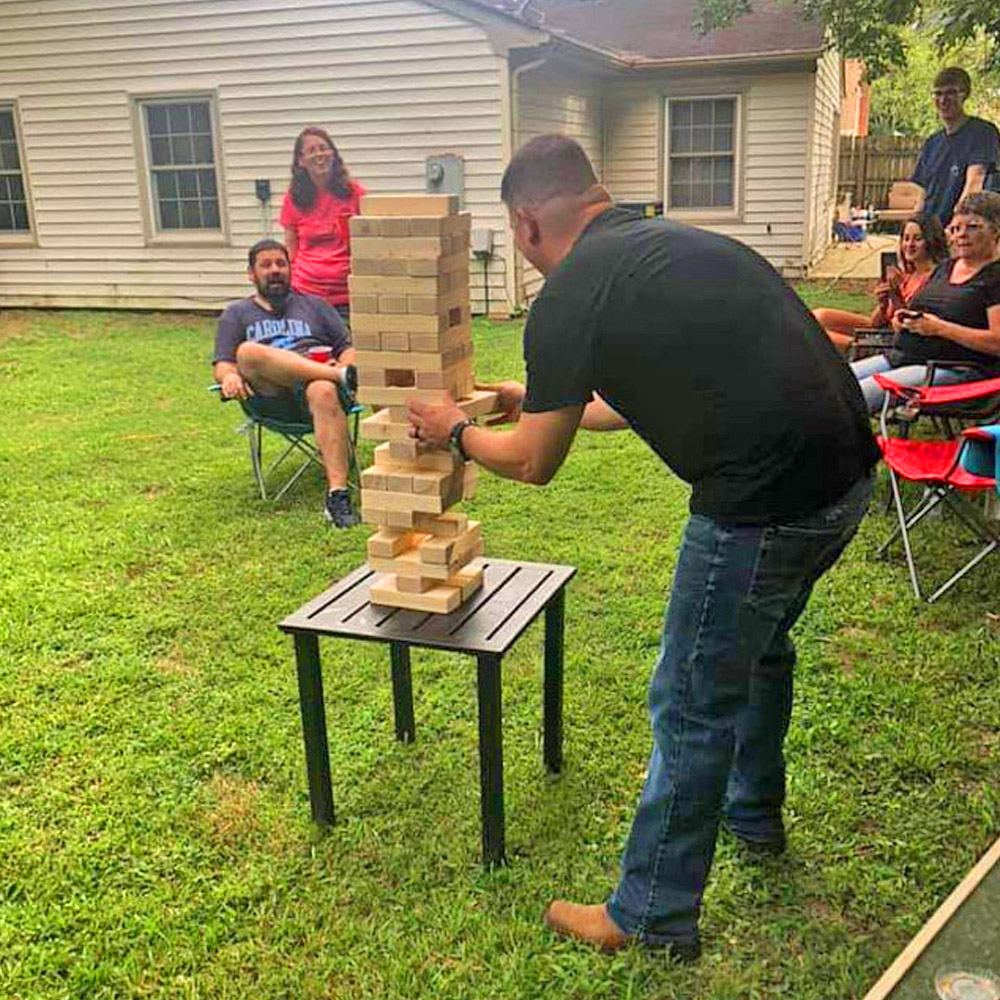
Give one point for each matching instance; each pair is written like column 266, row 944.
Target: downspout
column 509, row 108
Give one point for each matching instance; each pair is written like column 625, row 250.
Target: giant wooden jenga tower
column 410, row 322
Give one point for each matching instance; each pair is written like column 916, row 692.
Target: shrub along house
column 134, row 136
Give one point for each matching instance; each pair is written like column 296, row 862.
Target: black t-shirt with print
column 964, row 303
column 711, row 358
column 306, row 321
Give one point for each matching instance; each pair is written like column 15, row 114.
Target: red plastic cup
column 321, row 354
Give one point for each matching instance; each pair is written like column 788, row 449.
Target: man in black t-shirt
column 696, row 343
column 958, row 160
column 261, row 348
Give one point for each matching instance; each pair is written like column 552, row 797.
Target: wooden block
column 421, row 457
column 428, row 305
column 383, row 284
column 416, row 584
column 373, row 376
column 456, row 378
column 398, row 482
column 403, row 520
column 388, row 542
column 451, row 338
column 384, row 500
column 382, row 247
column 382, row 427
column 394, row 340
column 442, row 549
column 478, row 402
column 414, row 360
column 409, row 204
column 431, row 481
column 364, row 303
column 378, row 323
column 446, row 525
column 427, row 266
column 441, row 599
column 470, row 479
column 399, row 395
column 396, row 226
column 366, row 340
column 361, row 226
column 393, row 304
column 469, row 579
column 374, row 479
column 408, row 563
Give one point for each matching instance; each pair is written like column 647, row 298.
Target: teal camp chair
column 296, row 443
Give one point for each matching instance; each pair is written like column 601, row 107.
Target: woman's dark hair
column 933, row 234
column 302, row 188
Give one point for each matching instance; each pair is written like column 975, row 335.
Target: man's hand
column 433, row 423
column 234, row 386
column 510, row 396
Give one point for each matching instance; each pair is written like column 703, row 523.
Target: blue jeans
column 904, row 375
column 719, row 702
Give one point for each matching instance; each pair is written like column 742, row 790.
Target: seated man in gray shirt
column 261, row 350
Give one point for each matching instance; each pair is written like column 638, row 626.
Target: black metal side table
column 486, row 626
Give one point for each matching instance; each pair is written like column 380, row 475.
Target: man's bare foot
column 586, row 923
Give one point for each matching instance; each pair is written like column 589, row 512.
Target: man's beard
column 276, row 293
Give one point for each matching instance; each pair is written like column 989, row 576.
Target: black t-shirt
column 710, row 357
column 944, row 160
column 306, row 322
column 965, row 303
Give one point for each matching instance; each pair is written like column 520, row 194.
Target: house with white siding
column 138, row 138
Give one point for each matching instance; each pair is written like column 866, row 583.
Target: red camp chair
column 937, row 466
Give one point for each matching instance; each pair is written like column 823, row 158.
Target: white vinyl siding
column 775, row 135
column 392, row 80
column 555, row 99
column 823, row 163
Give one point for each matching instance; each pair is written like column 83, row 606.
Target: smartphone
column 888, row 260
column 909, row 313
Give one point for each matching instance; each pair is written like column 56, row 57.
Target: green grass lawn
column 154, row 821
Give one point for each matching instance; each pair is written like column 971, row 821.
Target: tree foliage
column 876, row 30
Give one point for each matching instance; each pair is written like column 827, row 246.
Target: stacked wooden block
column 410, row 323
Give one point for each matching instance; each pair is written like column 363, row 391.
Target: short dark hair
column 985, row 204
column 266, row 244
column 547, row 166
column 954, row 76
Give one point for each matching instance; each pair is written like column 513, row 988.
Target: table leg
column 553, row 713
column 402, row 692
column 491, row 758
column 314, row 726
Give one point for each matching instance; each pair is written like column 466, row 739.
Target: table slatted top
column 491, row 620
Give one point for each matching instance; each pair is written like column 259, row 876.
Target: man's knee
column 250, row 354
column 322, row 395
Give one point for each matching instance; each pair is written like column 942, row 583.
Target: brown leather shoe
column 586, row 923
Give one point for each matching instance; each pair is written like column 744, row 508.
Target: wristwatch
column 455, row 437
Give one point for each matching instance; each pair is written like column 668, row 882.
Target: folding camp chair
column 876, row 340
column 950, row 471
column 949, row 407
column 296, row 443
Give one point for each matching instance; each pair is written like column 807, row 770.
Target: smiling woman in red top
column 318, row 203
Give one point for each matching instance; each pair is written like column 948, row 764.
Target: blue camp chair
column 295, row 443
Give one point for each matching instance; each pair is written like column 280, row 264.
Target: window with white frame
column 702, row 148
column 181, row 159
column 14, row 216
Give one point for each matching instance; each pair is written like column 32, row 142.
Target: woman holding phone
column 922, row 246
column 320, row 200
column 955, row 316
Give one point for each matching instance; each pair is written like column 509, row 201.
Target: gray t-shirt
column 306, row 322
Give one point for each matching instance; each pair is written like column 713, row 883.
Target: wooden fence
column 869, row 165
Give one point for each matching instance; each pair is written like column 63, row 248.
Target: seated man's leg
column 278, row 368
column 330, row 425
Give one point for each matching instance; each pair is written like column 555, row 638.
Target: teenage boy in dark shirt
column 956, row 161
column 261, row 348
column 696, row 343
